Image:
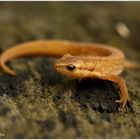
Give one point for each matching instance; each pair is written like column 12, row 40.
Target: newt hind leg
column 122, row 86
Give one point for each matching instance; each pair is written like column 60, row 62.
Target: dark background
column 41, row 103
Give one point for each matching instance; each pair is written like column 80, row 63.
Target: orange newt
column 80, row 60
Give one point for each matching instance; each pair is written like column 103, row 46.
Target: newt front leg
column 122, row 86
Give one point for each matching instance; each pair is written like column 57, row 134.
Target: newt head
column 76, row 66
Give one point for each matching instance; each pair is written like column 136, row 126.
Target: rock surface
column 41, row 103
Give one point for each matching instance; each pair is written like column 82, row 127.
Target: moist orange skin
column 90, row 60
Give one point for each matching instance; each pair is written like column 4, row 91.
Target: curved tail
column 7, row 69
column 33, row 48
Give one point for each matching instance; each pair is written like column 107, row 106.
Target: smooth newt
column 80, row 60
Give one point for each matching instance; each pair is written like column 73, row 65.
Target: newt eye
column 71, row 67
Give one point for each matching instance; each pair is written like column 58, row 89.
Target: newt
column 78, row 60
